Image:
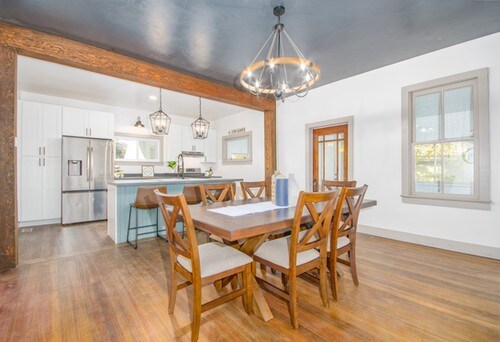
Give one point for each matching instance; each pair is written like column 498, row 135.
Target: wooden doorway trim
column 347, row 120
column 16, row 40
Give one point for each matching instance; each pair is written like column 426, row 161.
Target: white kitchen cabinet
column 40, row 139
column 210, row 147
column 189, row 143
column 51, row 188
column 40, row 129
column 88, row 123
column 30, row 199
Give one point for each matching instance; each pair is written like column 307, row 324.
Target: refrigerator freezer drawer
column 83, row 206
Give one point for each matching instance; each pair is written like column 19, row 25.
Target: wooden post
column 8, row 198
column 269, row 146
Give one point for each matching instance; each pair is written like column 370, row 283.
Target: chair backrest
column 192, row 194
column 329, row 185
column 316, row 236
column 345, row 224
column 145, row 197
column 177, row 246
column 259, row 189
column 213, row 193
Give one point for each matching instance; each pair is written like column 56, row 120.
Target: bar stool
column 144, row 200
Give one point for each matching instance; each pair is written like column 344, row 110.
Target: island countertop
column 171, row 181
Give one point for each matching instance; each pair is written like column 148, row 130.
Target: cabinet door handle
column 43, row 161
column 39, row 150
column 44, row 150
column 90, row 130
column 39, row 162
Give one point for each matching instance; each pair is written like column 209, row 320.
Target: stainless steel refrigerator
column 86, row 169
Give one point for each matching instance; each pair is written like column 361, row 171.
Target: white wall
column 125, row 119
column 374, row 98
column 252, row 121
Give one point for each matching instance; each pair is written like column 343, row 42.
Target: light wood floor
column 106, row 292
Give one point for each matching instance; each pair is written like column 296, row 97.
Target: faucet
column 180, row 166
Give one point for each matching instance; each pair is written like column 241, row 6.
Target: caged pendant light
column 200, row 127
column 279, row 69
column 160, row 121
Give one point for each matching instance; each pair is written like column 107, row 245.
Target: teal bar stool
column 145, row 200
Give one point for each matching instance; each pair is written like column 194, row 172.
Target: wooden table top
column 234, row 228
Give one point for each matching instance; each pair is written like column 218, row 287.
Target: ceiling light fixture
column 138, row 123
column 278, row 74
column 200, row 127
column 160, row 121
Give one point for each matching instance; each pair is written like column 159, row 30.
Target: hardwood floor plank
column 105, row 292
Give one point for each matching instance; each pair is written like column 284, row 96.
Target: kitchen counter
column 122, row 192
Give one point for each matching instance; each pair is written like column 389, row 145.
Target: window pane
column 331, row 137
column 428, row 168
column 341, row 160
column 459, row 167
column 427, row 117
column 330, row 161
column 148, row 150
column 320, row 166
column 458, row 120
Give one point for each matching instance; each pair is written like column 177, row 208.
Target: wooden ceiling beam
column 60, row 50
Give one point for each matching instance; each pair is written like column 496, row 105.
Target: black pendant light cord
column 160, row 101
column 200, row 106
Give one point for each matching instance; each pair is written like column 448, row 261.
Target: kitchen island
column 122, row 192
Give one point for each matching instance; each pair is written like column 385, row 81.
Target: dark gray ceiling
column 216, row 39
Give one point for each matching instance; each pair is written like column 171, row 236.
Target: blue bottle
column 282, row 192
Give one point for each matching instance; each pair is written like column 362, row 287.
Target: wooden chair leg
column 284, row 280
column 352, row 261
column 334, row 281
column 292, row 305
column 218, row 285
column 323, row 284
column 263, row 269
column 234, row 283
column 195, row 324
column 247, row 285
column 173, row 288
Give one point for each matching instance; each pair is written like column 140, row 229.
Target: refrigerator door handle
column 91, row 164
column 88, row 164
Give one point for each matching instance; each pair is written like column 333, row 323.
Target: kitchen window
column 138, row 149
column 446, row 141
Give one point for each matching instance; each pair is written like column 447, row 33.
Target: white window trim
column 482, row 175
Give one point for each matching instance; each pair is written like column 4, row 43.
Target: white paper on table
column 247, row 209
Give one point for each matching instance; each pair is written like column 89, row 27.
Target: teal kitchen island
column 122, row 192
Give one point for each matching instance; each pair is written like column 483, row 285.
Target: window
column 446, row 141
column 137, row 149
column 237, row 148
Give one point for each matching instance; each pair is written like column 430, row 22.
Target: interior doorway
column 330, row 154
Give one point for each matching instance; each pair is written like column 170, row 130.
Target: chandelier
column 160, row 121
column 273, row 72
column 200, row 127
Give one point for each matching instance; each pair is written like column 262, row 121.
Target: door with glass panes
column 329, row 155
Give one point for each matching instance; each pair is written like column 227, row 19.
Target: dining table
column 247, row 232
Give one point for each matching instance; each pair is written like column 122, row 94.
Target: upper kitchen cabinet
column 189, row 144
column 40, row 129
column 88, row 123
column 210, row 147
column 174, row 142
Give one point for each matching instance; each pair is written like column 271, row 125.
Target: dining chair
column 253, row 189
column 333, row 184
column 342, row 237
column 214, row 193
column 203, row 264
column 302, row 251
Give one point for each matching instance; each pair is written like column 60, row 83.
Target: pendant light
column 200, row 127
column 160, row 121
column 274, row 73
column 138, row 123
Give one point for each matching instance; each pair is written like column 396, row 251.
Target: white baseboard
column 38, row 223
column 456, row 246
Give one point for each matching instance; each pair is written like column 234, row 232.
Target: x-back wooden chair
column 201, row 265
column 302, row 251
column 213, row 193
column 253, row 189
column 343, row 234
column 329, row 185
